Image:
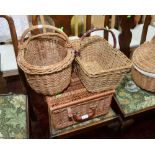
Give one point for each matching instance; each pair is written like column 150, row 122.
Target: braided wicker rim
column 34, row 69
column 144, row 73
column 144, row 57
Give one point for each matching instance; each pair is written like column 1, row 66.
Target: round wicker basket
column 46, row 60
column 143, row 69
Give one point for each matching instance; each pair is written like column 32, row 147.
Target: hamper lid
column 144, row 57
column 74, row 94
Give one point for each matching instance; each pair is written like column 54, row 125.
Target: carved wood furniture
column 59, row 21
column 8, row 49
column 128, row 30
column 133, row 35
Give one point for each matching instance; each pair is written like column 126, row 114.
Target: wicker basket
column 143, row 70
column 76, row 105
column 46, row 59
column 99, row 66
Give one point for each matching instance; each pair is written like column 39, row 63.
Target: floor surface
column 143, row 127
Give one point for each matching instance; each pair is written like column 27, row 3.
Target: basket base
column 50, row 84
column 100, row 83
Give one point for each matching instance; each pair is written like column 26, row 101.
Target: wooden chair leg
column 32, row 113
column 3, row 85
column 127, row 123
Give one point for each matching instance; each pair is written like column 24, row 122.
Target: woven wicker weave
column 143, row 70
column 99, row 66
column 144, row 57
column 76, row 104
column 143, row 81
column 46, row 60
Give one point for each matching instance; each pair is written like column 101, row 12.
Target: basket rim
column 138, row 57
column 35, row 69
column 127, row 65
column 26, row 42
column 148, row 74
column 93, row 96
column 104, row 71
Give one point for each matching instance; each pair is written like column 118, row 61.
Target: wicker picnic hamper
column 143, row 70
column 76, row 105
column 99, row 66
column 46, row 59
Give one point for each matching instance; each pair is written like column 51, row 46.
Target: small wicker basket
column 143, row 70
column 99, row 66
column 46, row 59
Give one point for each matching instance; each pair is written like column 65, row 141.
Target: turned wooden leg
column 3, row 85
column 127, row 123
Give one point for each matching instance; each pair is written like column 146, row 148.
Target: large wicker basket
column 76, row 105
column 143, row 70
column 46, row 59
column 99, row 66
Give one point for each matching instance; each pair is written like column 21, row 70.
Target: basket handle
column 79, row 118
column 97, row 29
column 42, row 27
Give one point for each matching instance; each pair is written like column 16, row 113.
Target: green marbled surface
column 131, row 98
column 13, row 122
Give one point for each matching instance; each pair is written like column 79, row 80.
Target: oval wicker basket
column 143, row 70
column 99, row 65
column 46, row 60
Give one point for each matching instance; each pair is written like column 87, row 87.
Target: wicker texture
column 144, row 59
column 145, row 82
column 99, row 66
column 46, row 59
column 76, row 104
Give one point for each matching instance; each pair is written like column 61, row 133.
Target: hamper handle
column 79, row 118
column 97, row 29
column 85, row 117
column 41, row 27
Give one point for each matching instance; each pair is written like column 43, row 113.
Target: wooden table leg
column 3, row 85
column 127, row 123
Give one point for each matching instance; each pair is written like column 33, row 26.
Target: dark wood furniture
column 125, row 36
column 14, row 41
column 12, row 32
column 126, row 23
column 147, row 22
column 61, row 21
column 15, row 46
